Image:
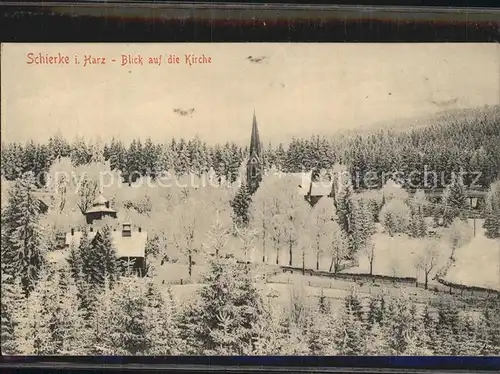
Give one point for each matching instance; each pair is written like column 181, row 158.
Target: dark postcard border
column 237, row 22
column 413, row 3
column 261, row 363
column 78, row 22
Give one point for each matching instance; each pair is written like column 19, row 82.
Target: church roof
column 321, row 188
column 255, row 145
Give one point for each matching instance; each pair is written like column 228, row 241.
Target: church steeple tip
column 255, row 146
column 255, row 162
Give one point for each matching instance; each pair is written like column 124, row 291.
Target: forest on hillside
column 470, row 144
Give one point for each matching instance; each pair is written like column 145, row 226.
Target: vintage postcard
column 250, row 199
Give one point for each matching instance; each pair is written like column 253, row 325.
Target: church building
column 312, row 190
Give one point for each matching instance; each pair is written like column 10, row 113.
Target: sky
column 296, row 89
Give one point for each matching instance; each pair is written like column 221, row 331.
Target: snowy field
column 280, row 294
column 170, row 273
column 397, row 257
column 478, row 263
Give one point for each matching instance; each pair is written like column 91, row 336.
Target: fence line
column 375, row 280
column 468, row 290
column 351, row 276
column 371, row 282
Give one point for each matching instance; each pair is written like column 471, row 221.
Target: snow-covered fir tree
column 363, row 225
column 455, row 201
column 417, row 227
column 344, row 207
column 133, row 318
column 96, row 258
column 241, row 206
column 23, row 239
column 492, row 219
column 395, row 217
column 229, row 307
column 13, row 308
column 351, row 335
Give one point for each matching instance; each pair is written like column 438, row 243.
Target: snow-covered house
column 394, row 184
column 130, row 245
column 313, row 190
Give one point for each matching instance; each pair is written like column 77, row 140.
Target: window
column 254, row 172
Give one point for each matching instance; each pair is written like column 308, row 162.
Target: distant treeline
column 423, row 157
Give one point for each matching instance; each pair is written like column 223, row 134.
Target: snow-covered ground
column 280, row 294
column 477, row 263
column 169, row 273
column 5, row 186
column 397, row 256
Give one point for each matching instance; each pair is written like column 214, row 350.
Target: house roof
column 55, row 256
column 100, row 208
column 100, row 200
column 306, row 176
column 391, row 182
column 128, row 246
column 438, row 192
column 99, row 205
column 476, row 193
column 44, row 194
column 303, row 179
column 46, row 198
column 321, row 188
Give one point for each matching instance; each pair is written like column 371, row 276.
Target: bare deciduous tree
column 338, row 244
column 322, row 213
column 459, row 234
column 217, row 235
column 369, row 251
column 428, row 260
column 247, row 236
column 184, row 235
column 263, row 210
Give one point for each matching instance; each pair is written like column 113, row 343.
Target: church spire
column 254, row 164
column 255, row 146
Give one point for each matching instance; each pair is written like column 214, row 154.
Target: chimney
column 72, row 231
column 126, row 230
